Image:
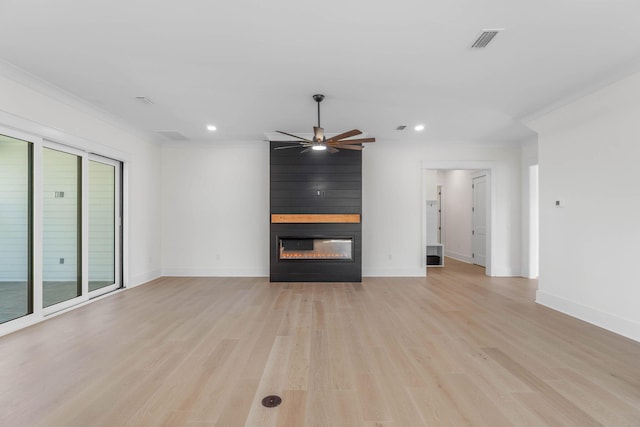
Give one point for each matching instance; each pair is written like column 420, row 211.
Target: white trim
column 458, row 256
column 125, row 227
column 43, row 87
column 506, row 272
column 488, row 168
column 84, row 219
column 621, row 73
column 141, row 279
column 37, row 230
column 104, row 290
column 23, row 322
column 215, row 272
column 118, row 224
column 36, row 130
column 395, row 272
column 611, row 322
column 48, row 311
column 17, row 133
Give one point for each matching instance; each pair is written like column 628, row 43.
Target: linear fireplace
column 316, row 215
column 305, row 248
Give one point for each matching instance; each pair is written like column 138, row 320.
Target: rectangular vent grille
column 485, row 38
column 173, row 135
column 144, row 100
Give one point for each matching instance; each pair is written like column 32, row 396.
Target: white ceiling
column 251, row 66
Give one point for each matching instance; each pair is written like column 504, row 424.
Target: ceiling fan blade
column 344, row 135
column 306, row 150
column 349, row 147
column 353, row 141
column 332, row 150
column 318, row 134
column 297, row 145
column 294, row 136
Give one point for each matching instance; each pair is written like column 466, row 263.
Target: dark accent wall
column 316, row 182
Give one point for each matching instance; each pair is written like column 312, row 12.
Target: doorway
column 479, row 215
column 449, row 186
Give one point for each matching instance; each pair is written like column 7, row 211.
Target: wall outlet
column 61, row 260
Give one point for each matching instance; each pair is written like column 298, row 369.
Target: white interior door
column 479, row 211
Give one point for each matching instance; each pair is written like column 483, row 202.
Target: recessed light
column 211, row 128
column 419, row 128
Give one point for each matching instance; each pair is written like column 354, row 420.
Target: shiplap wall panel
column 101, row 222
column 315, row 183
column 61, row 172
column 14, row 209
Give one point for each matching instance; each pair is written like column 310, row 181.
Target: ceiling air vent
column 144, row 100
column 485, row 38
column 173, row 135
column 401, row 127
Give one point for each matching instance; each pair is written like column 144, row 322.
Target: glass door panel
column 102, row 225
column 61, row 210
column 16, row 286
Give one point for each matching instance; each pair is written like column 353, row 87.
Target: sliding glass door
column 16, row 188
column 104, row 225
column 61, row 225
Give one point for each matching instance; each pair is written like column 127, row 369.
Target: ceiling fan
column 320, row 142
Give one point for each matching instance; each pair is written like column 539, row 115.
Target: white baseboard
column 230, row 272
column 143, row 278
column 505, row 272
column 458, row 256
column 393, row 272
column 608, row 321
column 215, row 272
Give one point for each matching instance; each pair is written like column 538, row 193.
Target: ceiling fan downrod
column 318, row 98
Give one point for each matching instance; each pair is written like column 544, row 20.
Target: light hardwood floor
column 456, row 348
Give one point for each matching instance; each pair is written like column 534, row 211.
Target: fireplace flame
column 311, row 255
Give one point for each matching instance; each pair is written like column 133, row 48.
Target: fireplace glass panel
column 316, row 249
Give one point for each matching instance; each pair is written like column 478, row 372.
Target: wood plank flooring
column 454, row 349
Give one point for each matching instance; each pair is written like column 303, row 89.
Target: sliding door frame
column 40, row 136
column 117, row 283
column 83, row 229
column 35, row 233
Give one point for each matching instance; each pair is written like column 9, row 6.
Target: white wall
column 31, row 106
column 529, row 259
column 503, row 169
column 215, row 207
column 457, row 212
column 431, row 184
column 588, row 152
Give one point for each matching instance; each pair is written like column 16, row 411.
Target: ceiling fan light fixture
column 319, row 142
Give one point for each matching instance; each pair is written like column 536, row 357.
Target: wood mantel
column 315, row 218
